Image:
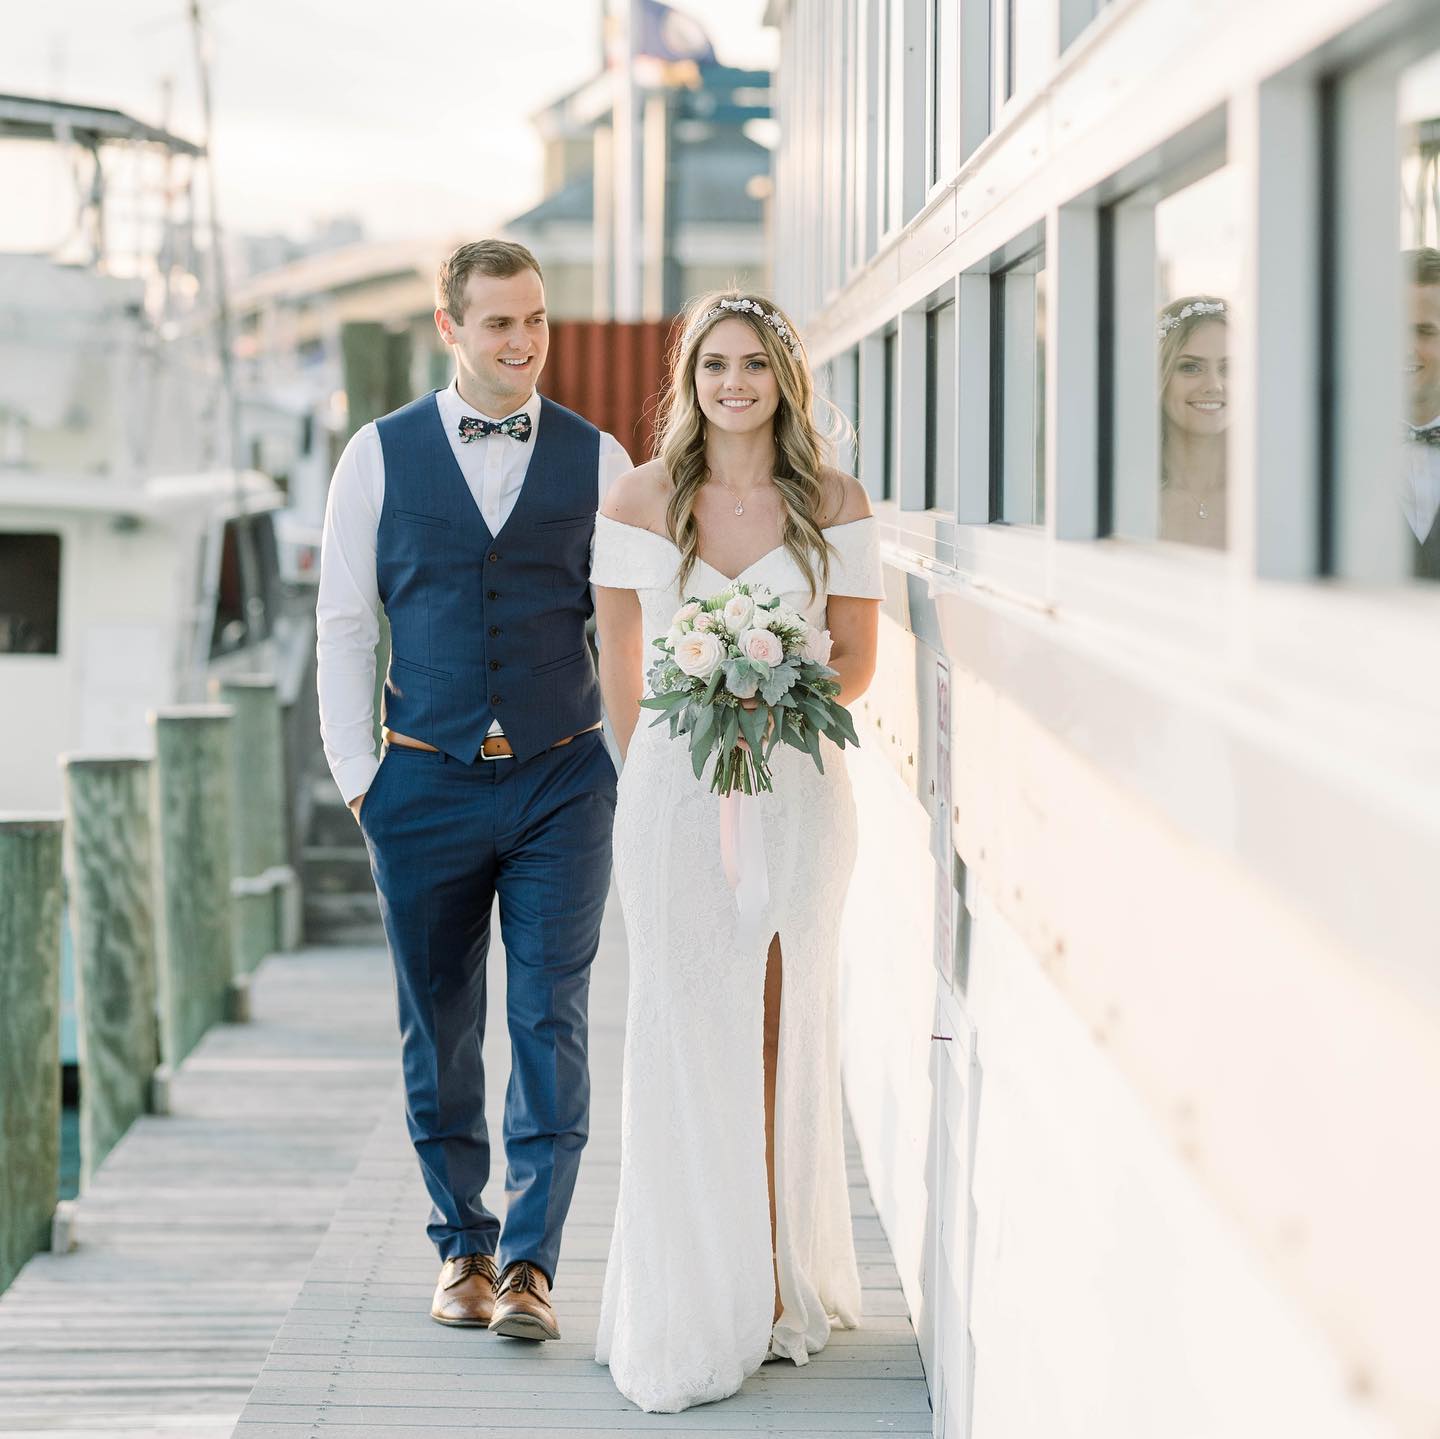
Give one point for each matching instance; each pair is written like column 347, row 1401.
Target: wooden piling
column 263, row 877
column 192, row 803
column 30, row 899
column 112, row 926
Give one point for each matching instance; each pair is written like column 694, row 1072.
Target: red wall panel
column 612, row 373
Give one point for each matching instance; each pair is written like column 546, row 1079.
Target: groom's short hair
column 497, row 258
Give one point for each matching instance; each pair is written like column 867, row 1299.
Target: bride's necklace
column 1201, row 499
column 739, row 498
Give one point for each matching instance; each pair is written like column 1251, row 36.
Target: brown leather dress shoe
column 522, row 1304
column 465, row 1295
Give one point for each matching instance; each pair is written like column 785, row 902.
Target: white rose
column 817, row 646
column 698, row 654
column 761, row 593
column 705, row 622
column 761, row 647
column 674, row 636
column 738, row 612
column 686, row 613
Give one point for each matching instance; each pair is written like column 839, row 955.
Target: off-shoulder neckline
column 729, row 579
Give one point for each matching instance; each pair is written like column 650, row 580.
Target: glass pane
column 1197, row 255
column 1420, row 236
column 29, row 594
column 839, row 383
column 1017, row 432
column 945, row 114
column 1019, row 27
column 892, row 429
column 941, row 400
column 1075, row 16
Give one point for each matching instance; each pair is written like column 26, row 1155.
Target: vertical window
column 247, row 594
column 944, row 90
column 847, row 400
column 29, row 594
column 1075, row 15
column 1019, row 28
column 1171, row 256
column 1017, row 393
column 892, row 429
column 1419, row 485
column 941, row 399
column 1197, row 256
column 885, row 103
column 839, row 383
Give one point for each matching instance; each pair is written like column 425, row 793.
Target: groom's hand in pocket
column 355, row 806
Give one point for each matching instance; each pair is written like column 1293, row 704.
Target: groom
column 468, row 515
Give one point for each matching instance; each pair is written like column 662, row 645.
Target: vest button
column 493, row 555
column 492, row 594
column 494, row 630
column 494, row 664
column 494, row 699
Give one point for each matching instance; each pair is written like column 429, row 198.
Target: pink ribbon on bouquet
column 742, row 849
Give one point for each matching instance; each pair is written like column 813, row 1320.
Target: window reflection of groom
column 1420, row 482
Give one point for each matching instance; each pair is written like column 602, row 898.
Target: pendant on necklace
column 739, row 507
column 1204, row 511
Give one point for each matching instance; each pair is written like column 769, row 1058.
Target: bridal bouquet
column 745, row 644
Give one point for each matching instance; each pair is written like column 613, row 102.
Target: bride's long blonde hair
column 799, row 446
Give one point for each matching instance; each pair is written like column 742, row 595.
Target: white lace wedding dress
column 689, row 1291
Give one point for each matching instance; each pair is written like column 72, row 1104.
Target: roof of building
column 707, row 190
column 28, row 117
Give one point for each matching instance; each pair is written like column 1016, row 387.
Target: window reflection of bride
column 1194, row 415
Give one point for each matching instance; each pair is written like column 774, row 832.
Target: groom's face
column 500, row 342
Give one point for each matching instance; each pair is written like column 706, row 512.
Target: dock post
column 192, row 801
column 112, row 921
column 30, row 900
column 263, row 878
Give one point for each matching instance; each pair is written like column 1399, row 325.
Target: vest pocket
column 414, row 517
column 567, row 523
column 420, row 669
column 560, row 663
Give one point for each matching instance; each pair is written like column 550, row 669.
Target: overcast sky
column 413, row 116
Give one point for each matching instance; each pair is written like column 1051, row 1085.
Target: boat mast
column 249, row 568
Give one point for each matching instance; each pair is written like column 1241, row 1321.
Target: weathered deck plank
column 358, row 1355
column 199, row 1228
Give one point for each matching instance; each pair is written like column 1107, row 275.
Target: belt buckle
column 491, row 758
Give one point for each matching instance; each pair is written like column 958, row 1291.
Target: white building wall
column 1151, row 1138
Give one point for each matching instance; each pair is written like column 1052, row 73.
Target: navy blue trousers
column 445, row 838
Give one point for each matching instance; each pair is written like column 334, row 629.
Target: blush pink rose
column 762, row 647
column 817, row 646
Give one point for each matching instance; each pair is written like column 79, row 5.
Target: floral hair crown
column 1195, row 307
column 753, row 307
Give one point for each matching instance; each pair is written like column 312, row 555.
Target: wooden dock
column 354, row 1352
column 200, row 1226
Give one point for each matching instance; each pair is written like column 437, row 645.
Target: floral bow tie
column 474, row 428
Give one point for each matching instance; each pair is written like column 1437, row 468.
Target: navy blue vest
column 487, row 626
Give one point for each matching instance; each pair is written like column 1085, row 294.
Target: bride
column 732, row 1237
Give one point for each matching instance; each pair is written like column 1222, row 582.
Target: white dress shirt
column 1420, row 484
column 347, row 609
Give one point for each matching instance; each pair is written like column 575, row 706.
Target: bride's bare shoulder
column 845, row 499
column 639, row 497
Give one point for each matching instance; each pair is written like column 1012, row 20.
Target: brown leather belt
column 493, row 747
